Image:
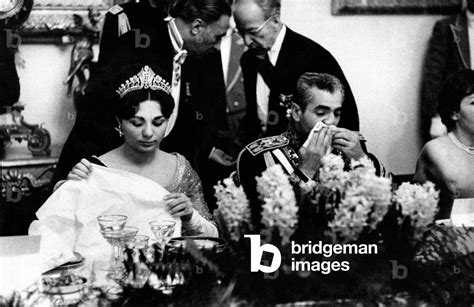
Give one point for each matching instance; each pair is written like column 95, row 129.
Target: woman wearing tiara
column 448, row 161
column 129, row 179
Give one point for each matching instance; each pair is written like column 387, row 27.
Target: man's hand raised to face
column 348, row 142
column 310, row 156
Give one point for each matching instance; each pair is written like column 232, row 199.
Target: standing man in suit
column 136, row 33
column 448, row 52
column 277, row 56
column 232, row 47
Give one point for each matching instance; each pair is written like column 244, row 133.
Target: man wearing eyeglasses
column 277, row 56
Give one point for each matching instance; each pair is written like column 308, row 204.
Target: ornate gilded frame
column 51, row 21
column 370, row 7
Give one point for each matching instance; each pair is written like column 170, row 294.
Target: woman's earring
column 119, row 130
column 199, row 39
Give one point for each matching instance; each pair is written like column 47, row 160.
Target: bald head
column 258, row 22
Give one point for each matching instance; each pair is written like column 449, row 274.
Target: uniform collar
column 295, row 138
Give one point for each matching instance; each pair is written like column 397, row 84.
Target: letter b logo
column 256, row 252
column 139, row 37
column 396, row 268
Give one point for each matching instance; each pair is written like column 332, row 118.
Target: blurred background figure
column 448, row 52
column 448, row 161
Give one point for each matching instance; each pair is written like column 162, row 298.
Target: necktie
column 265, row 68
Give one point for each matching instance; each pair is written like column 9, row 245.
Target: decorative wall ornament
column 366, row 7
column 10, row 8
column 53, row 21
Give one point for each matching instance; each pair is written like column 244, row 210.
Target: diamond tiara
column 145, row 79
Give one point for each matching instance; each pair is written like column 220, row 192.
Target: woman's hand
column 179, row 205
column 348, row 142
column 80, row 171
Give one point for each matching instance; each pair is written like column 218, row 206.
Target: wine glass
column 118, row 239
column 109, row 224
column 163, row 231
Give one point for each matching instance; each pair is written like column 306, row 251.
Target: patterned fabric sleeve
column 380, row 169
column 201, row 222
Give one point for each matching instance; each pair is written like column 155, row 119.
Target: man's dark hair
column 457, row 86
column 207, row 10
column 309, row 80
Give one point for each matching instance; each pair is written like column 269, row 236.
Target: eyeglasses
column 257, row 30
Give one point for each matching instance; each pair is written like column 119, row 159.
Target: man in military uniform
column 318, row 99
column 277, row 56
column 137, row 33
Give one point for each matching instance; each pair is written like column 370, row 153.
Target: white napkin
column 19, row 263
column 462, row 212
column 316, row 129
column 69, row 217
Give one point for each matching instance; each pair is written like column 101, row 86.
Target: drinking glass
column 110, row 226
column 118, row 239
column 138, row 272
column 163, row 231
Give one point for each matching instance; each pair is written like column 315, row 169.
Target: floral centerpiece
column 347, row 235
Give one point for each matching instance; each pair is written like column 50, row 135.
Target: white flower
column 279, row 209
column 331, row 173
column 232, row 203
column 418, row 202
column 365, row 199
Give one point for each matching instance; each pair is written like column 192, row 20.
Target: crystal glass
column 163, row 231
column 138, row 242
column 118, row 239
column 137, row 270
column 110, row 226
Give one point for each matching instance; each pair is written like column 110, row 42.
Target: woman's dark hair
column 127, row 106
column 308, row 80
column 457, row 86
column 207, row 10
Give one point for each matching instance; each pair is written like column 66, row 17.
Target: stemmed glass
column 118, row 239
column 163, row 231
column 110, row 226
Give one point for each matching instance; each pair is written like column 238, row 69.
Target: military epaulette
column 268, row 143
column 114, row 10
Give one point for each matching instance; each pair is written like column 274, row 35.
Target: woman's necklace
column 469, row 150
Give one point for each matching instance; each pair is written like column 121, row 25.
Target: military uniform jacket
column 298, row 55
column 280, row 149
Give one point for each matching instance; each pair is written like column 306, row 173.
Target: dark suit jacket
column 202, row 104
column 298, row 55
column 448, row 52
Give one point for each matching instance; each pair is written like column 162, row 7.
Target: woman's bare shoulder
column 109, row 157
column 436, row 149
